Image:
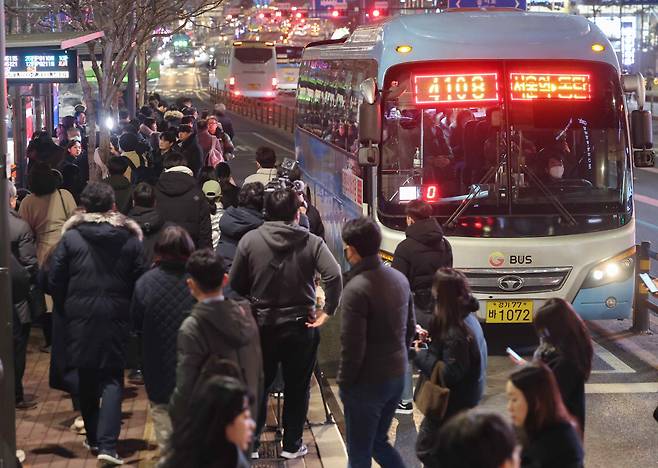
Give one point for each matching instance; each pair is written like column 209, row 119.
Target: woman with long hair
column 457, row 343
column 160, row 303
column 549, row 433
column 217, row 430
column 566, row 348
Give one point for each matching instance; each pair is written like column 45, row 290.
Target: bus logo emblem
column 496, row 259
column 510, row 283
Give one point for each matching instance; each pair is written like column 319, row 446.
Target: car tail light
column 275, row 82
column 231, row 81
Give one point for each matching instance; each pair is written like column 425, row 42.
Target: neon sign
column 23, row 65
column 550, row 86
column 456, row 88
column 430, row 193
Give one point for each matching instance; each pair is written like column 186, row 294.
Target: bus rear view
column 252, row 70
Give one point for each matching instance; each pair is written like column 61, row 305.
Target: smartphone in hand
column 514, row 356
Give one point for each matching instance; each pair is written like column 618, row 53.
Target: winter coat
column 151, row 223
column 181, row 201
column 377, row 326
column 23, row 248
column 93, row 273
column 123, row 192
column 461, row 356
column 262, row 175
column 207, row 142
column 227, row 125
column 235, row 223
column 136, row 160
column 424, row 251
column 20, row 281
column 569, row 379
column 160, row 303
column 558, row 446
column 193, row 153
column 230, row 194
column 46, row 214
column 286, row 291
column 225, row 329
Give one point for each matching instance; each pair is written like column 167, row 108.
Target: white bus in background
column 288, row 59
column 246, row 68
column 518, row 136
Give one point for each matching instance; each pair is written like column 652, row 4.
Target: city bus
column 512, row 125
column 246, row 68
column 288, row 59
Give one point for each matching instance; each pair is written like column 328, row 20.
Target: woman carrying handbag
column 455, row 360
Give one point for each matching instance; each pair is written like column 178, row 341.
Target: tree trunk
column 87, row 92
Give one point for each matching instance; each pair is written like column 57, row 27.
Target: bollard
column 640, row 309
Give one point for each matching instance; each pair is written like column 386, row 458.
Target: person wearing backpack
column 128, row 144
column 213, row 152
column 216, row 329
column 418, row 257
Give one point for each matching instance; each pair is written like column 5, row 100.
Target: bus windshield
column 505, row 139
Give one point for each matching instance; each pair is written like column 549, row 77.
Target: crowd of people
column 220, row 284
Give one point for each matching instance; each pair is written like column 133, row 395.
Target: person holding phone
column 457, row 340
column 549, row 433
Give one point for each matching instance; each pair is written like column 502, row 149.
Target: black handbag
column 36, row 301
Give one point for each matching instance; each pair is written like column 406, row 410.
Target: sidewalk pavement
column 44, row 433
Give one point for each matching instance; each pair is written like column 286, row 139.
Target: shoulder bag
column 432, row 397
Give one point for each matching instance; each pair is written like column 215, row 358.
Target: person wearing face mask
column 217, row 430
column 555, row 168
column 549, row 433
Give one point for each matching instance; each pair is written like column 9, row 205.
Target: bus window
column 253, row 54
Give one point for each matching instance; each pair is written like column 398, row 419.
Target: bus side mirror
column 642, row 138
column 370, row 132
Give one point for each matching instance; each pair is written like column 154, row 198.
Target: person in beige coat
column 46, row 210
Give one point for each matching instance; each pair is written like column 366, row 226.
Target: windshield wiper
column 551, row 197
column 474, row 191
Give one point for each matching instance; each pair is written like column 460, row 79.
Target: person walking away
column 454, row 347
column 189, row 147
column 217, row 430
column 418, row 257
column 160, row 303
column 123, row 190
column 265, row 166
column 229, row 188
column 23, row 249
column 377, row 328
column 179, row 200
column 216, row 327
column 237, row 221
column 566, row 347
column 475, row 438
column 46, row 209
column 550, row 434
column 213, row 193
column 144, row 213
column 275, row 266
column 224, row 120
column 128, row 144
column 94, row 270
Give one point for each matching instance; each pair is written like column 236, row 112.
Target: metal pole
column 7, row 397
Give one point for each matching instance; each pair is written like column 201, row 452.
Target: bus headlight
column 616, row 269
column 387, row 258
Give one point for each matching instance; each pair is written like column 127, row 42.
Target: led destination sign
column 456, row 88
column 550, row 86
column 41, row 66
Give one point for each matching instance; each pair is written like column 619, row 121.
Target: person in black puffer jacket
column 180, row 200
column 148, row 218
column 236, row 222
column 418, row 257
column 160, row 304
column 93, row 271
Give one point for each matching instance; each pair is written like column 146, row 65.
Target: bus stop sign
column 458, row 4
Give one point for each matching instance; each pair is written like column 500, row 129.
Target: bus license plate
column 254, row 86
column 509, row 311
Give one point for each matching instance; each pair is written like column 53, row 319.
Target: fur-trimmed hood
column 173, row 115
column 111, row 219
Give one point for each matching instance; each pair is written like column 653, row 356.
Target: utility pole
column 7, row 398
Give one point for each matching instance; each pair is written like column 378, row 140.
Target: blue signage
column 456, row 4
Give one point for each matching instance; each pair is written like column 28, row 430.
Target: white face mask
column 556, row 172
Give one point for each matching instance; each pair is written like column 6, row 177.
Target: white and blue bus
column 513, row 125
column 288, row 59
column 246, row 68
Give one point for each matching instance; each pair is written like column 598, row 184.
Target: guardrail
column 266, row 112
column 645, row 286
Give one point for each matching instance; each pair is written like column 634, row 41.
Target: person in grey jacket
column 376, row 332
column 275, row 267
